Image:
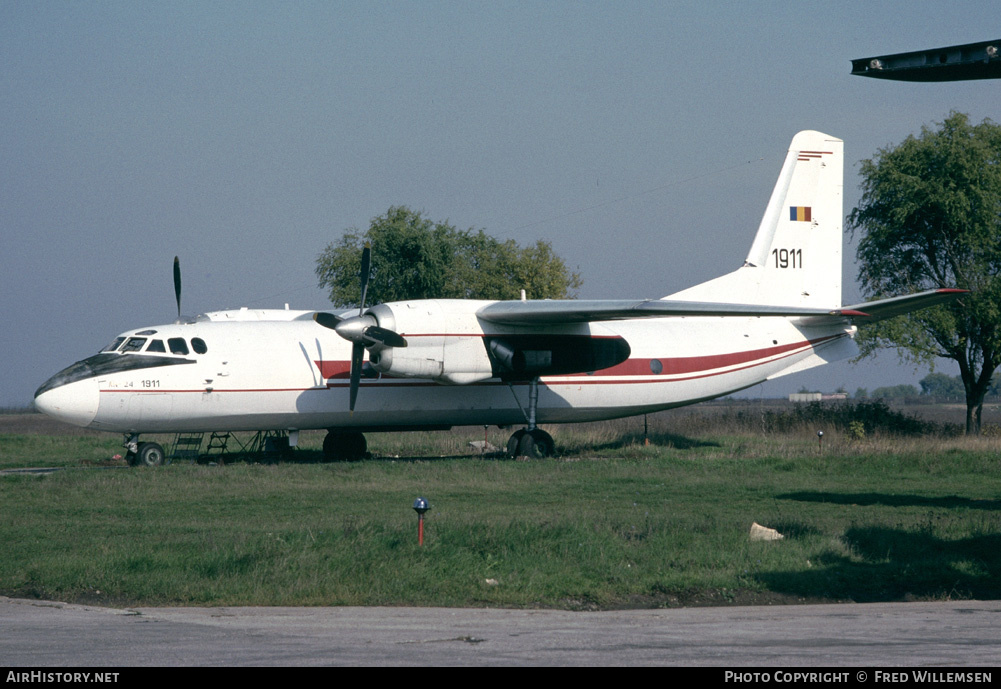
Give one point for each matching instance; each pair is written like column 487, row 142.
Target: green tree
column 416, row 258
column 895, row 392
column 930, row 217
column 942, row 385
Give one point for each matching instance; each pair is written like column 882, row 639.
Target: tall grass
column 611, row 522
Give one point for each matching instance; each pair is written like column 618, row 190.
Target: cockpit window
column 114, row 345
column 198, row 344
column 134, row 344
column 156, row 346
column 178, row 345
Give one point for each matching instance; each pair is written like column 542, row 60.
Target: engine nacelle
column 444, row 342
column 451, row 360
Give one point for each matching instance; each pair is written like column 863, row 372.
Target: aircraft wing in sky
column 545, row 311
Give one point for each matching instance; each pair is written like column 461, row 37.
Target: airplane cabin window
column 114, row 345
column 156, row 346
column 178, row 345
column 198, row 344
column 134, row 344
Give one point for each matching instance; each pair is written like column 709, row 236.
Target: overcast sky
column 641, row 138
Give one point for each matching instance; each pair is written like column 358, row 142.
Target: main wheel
column 344, row 446
column 149, row 455
column 535, row 444
column 544, row 443
column 514, row 443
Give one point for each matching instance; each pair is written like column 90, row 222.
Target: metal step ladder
column 186, row 446
column 217, row 443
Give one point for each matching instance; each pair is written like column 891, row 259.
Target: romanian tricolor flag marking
column 799, row 213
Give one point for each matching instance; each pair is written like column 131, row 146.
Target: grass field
column 869, row 516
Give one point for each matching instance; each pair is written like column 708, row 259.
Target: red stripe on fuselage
column 639, row 369
column 334, row 368
column 674, row 366
column 695, row 364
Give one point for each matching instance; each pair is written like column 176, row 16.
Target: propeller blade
column 177, row 285
column 327, row 320
column 366, row 271
column 384, row 336
column 361, row 331
column 357, row 351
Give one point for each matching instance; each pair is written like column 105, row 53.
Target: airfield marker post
column 420, row 506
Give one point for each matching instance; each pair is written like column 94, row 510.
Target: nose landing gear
column 143, row 454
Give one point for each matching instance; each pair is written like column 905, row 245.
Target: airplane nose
column 74, row 403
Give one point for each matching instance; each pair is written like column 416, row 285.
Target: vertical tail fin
column 795, row 259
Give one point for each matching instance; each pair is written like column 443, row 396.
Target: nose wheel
column 143, row 454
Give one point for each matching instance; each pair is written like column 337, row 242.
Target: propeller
column 177, row 293
column 362, row 330
column 177, row 286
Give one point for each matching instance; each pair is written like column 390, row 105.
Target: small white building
column 805, row 397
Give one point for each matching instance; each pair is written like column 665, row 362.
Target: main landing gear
column 143, row 454
column 531, row 441
column 534, row 443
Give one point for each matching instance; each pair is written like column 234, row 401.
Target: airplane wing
column 546, row 311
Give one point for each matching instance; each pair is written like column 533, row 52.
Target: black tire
column 348, row 446
column 536, row 444
column 150, row 455
column 544, row 443
column 514, row 443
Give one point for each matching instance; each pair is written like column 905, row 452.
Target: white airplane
column 438, row 363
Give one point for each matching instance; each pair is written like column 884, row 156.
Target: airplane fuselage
column 279, row 370
column 437, row 363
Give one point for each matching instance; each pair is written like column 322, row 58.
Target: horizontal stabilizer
column 882, row 309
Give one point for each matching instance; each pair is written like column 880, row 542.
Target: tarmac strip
column 955, row 633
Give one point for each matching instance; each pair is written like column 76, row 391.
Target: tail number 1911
column 788, row 258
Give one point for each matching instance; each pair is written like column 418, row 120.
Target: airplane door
column 151, row 410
